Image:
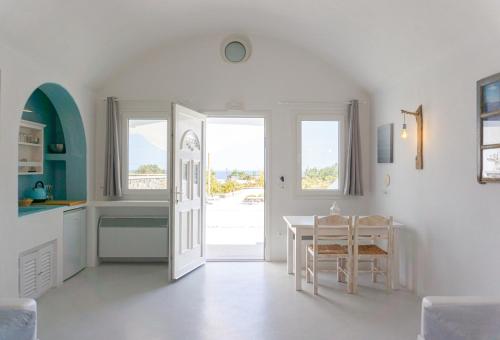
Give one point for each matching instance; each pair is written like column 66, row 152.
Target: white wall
column 453, row 222
column 20, row 76
column 193, row 73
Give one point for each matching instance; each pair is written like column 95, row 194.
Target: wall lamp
column 419, row 160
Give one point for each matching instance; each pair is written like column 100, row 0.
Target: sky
column 319, row 144
column 236, row 143
column 147, row 143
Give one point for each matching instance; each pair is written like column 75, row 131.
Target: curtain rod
column 281, row 102
column 139, row 100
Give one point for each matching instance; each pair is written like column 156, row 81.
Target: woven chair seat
column 330, row 249
column 370, row 249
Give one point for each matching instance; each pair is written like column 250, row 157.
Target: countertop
column 40, row 208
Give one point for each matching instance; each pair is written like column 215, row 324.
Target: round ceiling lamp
column 235, row 49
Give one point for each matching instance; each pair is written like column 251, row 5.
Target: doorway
column 236, row 172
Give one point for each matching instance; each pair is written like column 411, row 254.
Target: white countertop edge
column 73, row 207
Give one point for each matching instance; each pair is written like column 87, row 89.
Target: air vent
column 36, row 271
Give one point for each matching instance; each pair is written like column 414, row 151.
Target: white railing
column 147, row 181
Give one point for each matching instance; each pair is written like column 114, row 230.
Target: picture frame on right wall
column 488, row 129
column 385, row 143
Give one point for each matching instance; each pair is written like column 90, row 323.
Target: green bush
column 215, row 187
column 149, row 169
column 319, row 178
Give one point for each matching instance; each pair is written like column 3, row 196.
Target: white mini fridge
column 74, row 242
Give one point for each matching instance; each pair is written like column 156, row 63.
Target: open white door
column 188, row 191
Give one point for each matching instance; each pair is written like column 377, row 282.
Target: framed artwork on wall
column 488, row 129
column 385, row 142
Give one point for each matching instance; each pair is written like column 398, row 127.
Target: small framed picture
column 385, row 142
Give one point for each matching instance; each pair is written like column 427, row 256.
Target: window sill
column 321, row 195
column 131, row 203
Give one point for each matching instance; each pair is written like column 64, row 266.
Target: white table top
column 308, row 221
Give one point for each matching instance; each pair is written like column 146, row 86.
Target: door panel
column 188, row 210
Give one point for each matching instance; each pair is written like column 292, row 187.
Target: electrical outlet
column 282, row 182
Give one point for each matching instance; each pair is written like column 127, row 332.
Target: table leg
column 395, row 260
column 289, row 250
column 298, row 259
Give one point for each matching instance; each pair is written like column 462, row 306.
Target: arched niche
column 52, row 105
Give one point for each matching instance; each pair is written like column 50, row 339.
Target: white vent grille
column 36, row 271
column 28, row 275
column 44, row 281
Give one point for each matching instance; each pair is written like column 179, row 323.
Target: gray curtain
column 353, row 185
column 112, row 174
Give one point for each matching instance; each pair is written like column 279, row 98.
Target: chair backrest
column 333, row 227
column 374, row 222
column 374, row 228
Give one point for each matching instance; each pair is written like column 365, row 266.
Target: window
column 145, row 155
column 488, row 124
column 319, row 154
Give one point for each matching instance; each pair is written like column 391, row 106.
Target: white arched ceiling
column 372, row 41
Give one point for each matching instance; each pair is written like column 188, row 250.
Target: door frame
column 266, row 115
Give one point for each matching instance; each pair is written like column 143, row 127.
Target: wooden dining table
column 301, row 228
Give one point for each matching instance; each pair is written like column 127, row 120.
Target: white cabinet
column 37, row 271
column 31, row 150
column 74, row 242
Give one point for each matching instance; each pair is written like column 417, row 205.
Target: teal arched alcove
column 52, row 105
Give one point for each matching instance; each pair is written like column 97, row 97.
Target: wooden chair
column 332, row 242
column 373, row 241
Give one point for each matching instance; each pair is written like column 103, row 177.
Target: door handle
column 178, row 195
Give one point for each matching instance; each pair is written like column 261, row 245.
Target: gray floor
column 222, row 252
column 249, row 300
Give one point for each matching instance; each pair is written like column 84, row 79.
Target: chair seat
column 370, row 249
column 330, row 249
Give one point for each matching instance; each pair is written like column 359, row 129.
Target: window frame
column 320, row 193
column 483, row 116
column 142, row 194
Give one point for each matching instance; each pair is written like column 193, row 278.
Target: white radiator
column 133, row 238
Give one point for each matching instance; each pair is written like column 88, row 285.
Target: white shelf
column 30, row 144
column 32, row 125
column 32, row 153
column 30, row 173
column 30, row 163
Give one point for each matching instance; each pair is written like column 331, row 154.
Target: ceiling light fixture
column 236, row 49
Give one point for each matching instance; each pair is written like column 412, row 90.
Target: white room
column 249, row 170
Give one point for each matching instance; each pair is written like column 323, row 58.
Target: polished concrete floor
column 249, row 300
